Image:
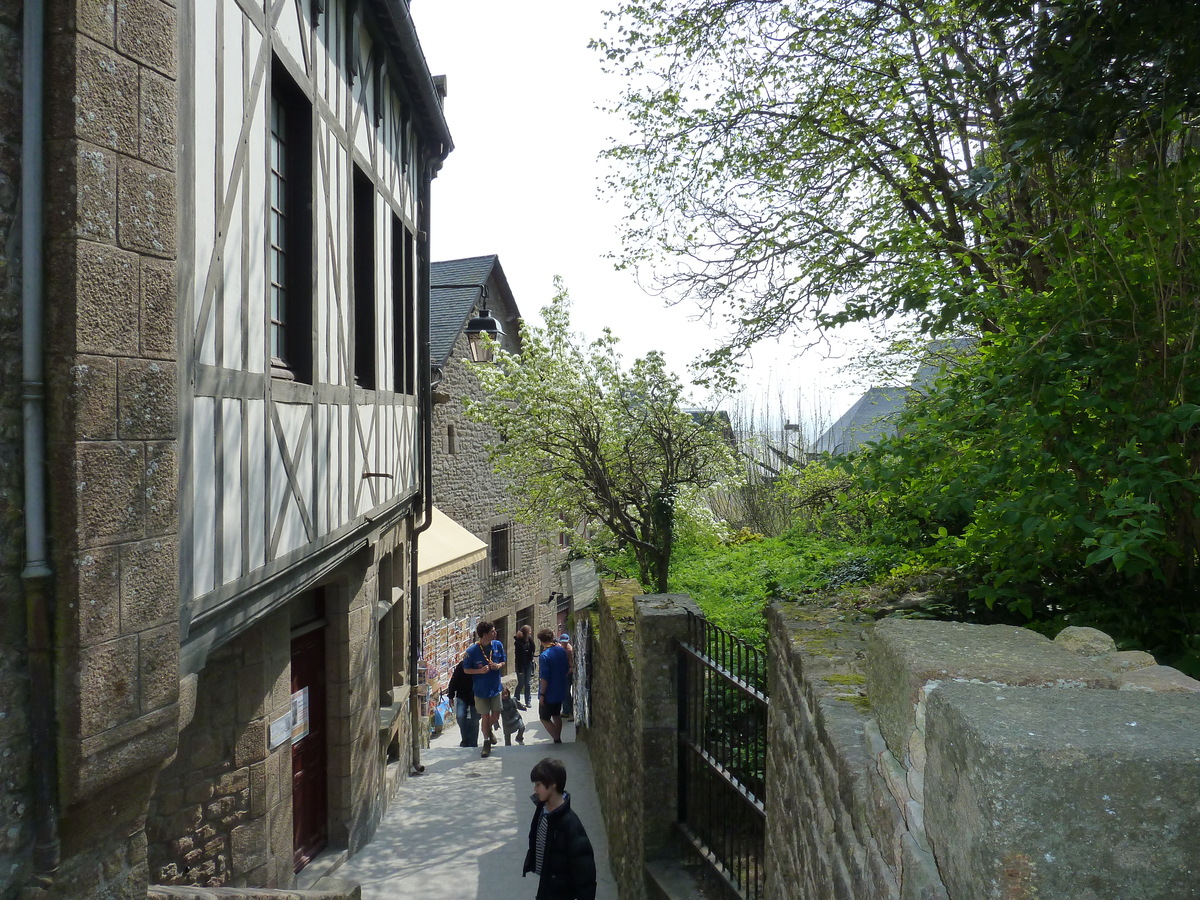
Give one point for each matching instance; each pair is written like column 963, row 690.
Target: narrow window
column 364, row 280
column 290, row 230
column 501, row 549
column 404, row 317
column 451, row 441
column 447, row 606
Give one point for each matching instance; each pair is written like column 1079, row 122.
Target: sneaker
column 522, row 707
column 487, row 748
column 521, row 738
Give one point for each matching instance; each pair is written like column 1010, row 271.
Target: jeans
column 568, row 707
column 468, row 721
column 524, row 676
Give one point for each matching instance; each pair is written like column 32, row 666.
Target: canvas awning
column 445, row 547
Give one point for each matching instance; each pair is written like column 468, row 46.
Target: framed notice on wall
column 300, row 715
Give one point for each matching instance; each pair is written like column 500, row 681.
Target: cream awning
column 445, row 547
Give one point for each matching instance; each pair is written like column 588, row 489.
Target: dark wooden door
column 310, row 826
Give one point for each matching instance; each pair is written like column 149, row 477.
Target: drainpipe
column 425, row 392
column 36, row 575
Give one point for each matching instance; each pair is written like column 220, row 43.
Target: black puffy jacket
column 569, row 866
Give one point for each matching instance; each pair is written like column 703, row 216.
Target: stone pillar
column 660, row 621
column 111, row 430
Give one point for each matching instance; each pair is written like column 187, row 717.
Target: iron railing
column 722, row 753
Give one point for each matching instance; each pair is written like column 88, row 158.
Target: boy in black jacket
column 559, row 850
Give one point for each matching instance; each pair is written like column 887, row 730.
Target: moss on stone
column 849, row 679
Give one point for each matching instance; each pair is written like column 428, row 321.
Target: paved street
column 460, row 830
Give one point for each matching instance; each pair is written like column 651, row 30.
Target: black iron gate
column 723, row 753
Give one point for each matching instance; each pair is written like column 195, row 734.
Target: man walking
column 484, row 660
column 461, row 692
column 523, row 654
column 552, row 686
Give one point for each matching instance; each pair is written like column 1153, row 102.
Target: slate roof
column 874, row 414
column 454, row 289
column 872, row 417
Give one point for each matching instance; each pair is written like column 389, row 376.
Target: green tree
column 585, row 439
column 811, row 162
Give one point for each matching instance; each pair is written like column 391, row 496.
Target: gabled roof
column 455, row 286
column 872, row 417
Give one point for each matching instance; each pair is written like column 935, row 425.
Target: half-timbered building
column 218, row 655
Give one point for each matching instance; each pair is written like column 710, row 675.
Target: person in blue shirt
column 484, row 661
column 554, row 672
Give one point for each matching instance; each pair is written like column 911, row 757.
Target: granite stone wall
column 110, row 412
column 917, row 759
column 15, row 796
column 614, row 734
column 211, row 820
column 832, row 828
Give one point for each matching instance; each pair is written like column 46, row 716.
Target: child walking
column 510, row 719
column 559, row 850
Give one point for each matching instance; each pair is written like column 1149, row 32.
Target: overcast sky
column 523, row 179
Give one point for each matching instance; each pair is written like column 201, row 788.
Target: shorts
column 487, row 705
column 547, row 710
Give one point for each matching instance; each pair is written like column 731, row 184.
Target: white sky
column 523, row 182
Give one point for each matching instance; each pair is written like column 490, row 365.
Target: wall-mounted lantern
column 484, row 323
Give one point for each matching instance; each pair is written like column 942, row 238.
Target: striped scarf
column 543, row 828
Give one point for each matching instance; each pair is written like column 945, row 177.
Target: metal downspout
column 36, row 574
column 425, row 390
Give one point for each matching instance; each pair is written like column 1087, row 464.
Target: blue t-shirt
column 487, row 684
column 553, row 666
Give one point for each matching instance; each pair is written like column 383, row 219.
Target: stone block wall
column 916, row 759
column 15, row 787
column 833, row 831
column 633, row 733
column 614, row 734
column 212, row 820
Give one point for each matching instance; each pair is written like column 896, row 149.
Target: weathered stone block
column 1126, row 660
column 1069, row 794
column 146, row 395
column 105, row 98
column 83, row 399
column 157, row 110
column 158, row 660
column 149, row 578
column 146, row 32
column 158, row 308
column 89, row 210
column 1157, row 678
column 251, row 743
column 93, row 299
column 146, row 203
column 108, row 676
column 97, row 19
column 162, row 488
column 1085, row 641
column 110, row 492
column 95, row 596
column 906, row 654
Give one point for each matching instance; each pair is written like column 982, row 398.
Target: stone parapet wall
column 832, row 828
column 918, row 759
column 614, row 734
